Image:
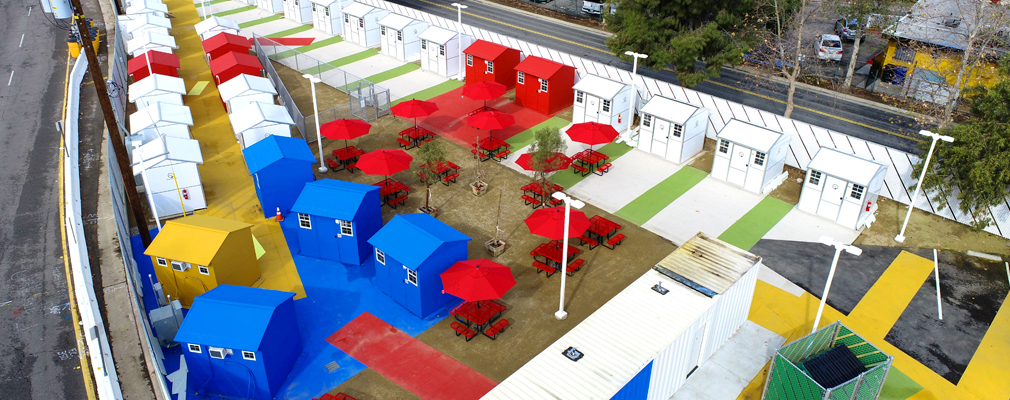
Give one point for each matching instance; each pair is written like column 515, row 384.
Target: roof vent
column 952, row 22
column 573, row 354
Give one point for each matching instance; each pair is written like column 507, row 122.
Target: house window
column 361, row 22
column 162, row 262
column 347, row 19
column 327, row 11
column 296, row 2
column 380, row 256
column 521, row 78
column 195, row 348
column 248, row 355
column 313, row 7
column 469, row 60
column 606, row 105
column 759, row 158
column 815, row 178
column 724, row 146
column 203, row 269
column 543, row 85
column 346, row 228
column 490, row 66
column 382, row 30
column 441, row 49
column 411, row 276
column 424, row 45
column 304, row 221
column 678, row 130
column 578, row 96
column 904, row 52
column 857, row 192
column 399, row 36
column 647, row 120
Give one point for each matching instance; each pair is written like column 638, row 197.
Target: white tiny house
column 155, row 88
column 140, row 23
column 440, row 50
column 326, row 16
column 672, row 129
column 256, row 121
column 271, row 6
column 749, row 155
column 161, row 119
column 842, row 187
column 244, row 89
column 399, row 36
column 361, row 24
column 299, row 11
column 168, row 168
column 603, row 101
column 214, row 25
column 150, row 40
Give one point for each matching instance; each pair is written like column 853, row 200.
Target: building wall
column 231, row 376
column 504, row 69
column 236, row 262
column 279, row 185
column 429, row 280
column 944, row 63
column 368, row 222
column 558, row 96
column 184, row 285
column 280, row 347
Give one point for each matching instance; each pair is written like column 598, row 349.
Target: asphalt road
column 867, row 122
column 38, row 350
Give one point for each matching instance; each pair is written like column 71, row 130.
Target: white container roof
column 154, row 85
column 618, row 339
column 146, row 6
column 146, row 21
column 669, row 109
column 149, row 40
column 846, row 166
column 438, row 35
column 259, row 115
column 756, row 137
column 358, row 10
column 707, row 264
column 600, row 87
column 215, row 24
column 160, row 113
column 244, row 85
column 166, row 148
column 396, row 21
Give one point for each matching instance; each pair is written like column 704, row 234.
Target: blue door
column 638, row 387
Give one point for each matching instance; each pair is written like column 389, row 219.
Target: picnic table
column 491, row 148
column 346, row 158
column 415, row 136
column 590, row 161
column 480, row 110
column 540, row 195
column 602, row 231
column 390, row 192
column 446, row 171
column 478, row 317
column 551, row 252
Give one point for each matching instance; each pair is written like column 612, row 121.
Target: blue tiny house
column 411, row 251
column 240, row 341
column 280, row 167
column 332, row 220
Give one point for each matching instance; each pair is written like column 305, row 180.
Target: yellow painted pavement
column 227, row 183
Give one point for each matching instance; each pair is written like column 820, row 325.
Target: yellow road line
column 521, row 28
column 85, row 366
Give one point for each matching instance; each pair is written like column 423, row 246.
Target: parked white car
column 828, row 47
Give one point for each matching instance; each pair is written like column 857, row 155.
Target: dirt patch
column 704, row 159
column 789, row 190
column 927, row 231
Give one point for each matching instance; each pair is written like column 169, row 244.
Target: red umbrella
column 345, row 129
column 592, row 133
column 384, row 162
column 550, row 223
column 491, row 120
column 484, row 91
column 474, row 280
column 414, row 109
column 556, row 162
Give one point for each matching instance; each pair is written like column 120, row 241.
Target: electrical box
column 166, row 322
column 58, row 8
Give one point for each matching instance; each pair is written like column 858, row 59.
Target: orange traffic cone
column 279, row 216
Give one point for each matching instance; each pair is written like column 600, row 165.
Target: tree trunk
column 795, row 74
column 852, row 63
column 789, row 95
column 948, row 110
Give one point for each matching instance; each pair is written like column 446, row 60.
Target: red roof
column 140, row 62
column 224, row 38
column 234, row 59
column 540, row 67
column 485, row 50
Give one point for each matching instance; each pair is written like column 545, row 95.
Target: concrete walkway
column 726, row 374
column 711, row 206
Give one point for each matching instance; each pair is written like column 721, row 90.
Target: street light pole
column 459, row 36
column 839, row 247
column 634, row 91
column 918, row 186
column 319, row 130
column 569, row 203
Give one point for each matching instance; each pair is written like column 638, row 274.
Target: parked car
column 846, row 29
column 766, row 56
column 828, row 47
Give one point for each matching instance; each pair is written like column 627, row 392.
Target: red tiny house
column 161, row 63
column 544, row 85
column 224, row 43
column 234, row 64
column 486, row 61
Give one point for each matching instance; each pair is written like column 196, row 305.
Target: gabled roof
column 160, row 113
column 358, row 9
column 225, row 39
column 150, row 40
column 166, row 148
column 146, row 6
column 274, row 148
column 154, row 85
column 331, row 198
column 948, row 23
column 750, row 135
column 194, row 239
column 396, row 21
column 540, row 67
column 437, row 35
column 245, row 85
column 147, row 20
column 327, row 3
column 412, row 238
column 234, row 59
column 600, row 87
column 232, row 317
column 846, row 166
column 157, row 58
column 215, row 24
column 485, row 50
column 257, row 115
column 669, row 109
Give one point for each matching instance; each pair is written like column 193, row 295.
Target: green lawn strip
column 341, row 62
column 382, row 76
column 749, row 229
column 217, row 2
column 234, row 11
column 305, row 49
column 434, row 91
column 259, row 21
column 292, row 31
column 568, row 178
column 524, row 138
column 654, row 200
column 898, row 386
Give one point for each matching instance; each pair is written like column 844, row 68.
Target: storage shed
column 327, row 17
column 411, row 252
column 671, row 320
column 163, row 88
column 240, row 342
column 400, row 37
column 214, row 25
column 749, row 155
column 299, row 11
column 256, row 121
column 150, row 40
column 244, row 89
column 224, row 43
column 361, row 24
column 233, row 64
column 486, row 61
column 161, row 63
column 332, row 220
column 162, row 119
column 271, row 6
column 602, row 100
column 168, row 167
column 544, row 85
column 672, row 129
column 842, row 187
column 154, row 7
column 280, row 166
column 140, row 23
column 440, row 51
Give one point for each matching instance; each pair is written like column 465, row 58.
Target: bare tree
column 858, row 11
column 785, row 38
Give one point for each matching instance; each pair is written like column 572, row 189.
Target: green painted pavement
column 524, row 138
column 260, row 21
column 217, row 2
column 341, row 62
column 432, row 92
column 898, row 386
column 382, row 76
column 749, row 229
column 569, row 178
column 654, row 200
column 305, row 49
column 234, row 11
column 292, row 31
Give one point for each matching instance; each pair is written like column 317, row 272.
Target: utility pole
column 122, row 157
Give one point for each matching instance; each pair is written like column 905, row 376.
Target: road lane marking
column 22, row 40
column 29, row 11
column 11, row 78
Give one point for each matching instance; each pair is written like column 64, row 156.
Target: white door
column 391, row 43
column 290, row 9
column 831, row 198
column 660, row 132
column 441, row 60
column 592, row 108
column 697, row 343
column 739, row 159
column 325, row 20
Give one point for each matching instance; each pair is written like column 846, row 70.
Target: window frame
column 380, row 256
column 202, row 268
column 441, row 49
column 723, row 146
column 349, row 227
column 399, row 36
column 578, row 96
column 382, row 31
column 469, row 60
column 543, row 85
column 306, row 222
column 647, row 120
column 760, row 158
column 606, row 105
column 248, row 355
column 198, row 349
column 361, row 22
column 857, row 192
column 424, row 44
column 411, row 276
column 489, row 67
column 161, row 261
column 521, row 78
column 904, row 53
column 815, row 178
column 347, row 19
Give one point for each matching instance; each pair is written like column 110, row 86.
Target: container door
column 660, row 137
column 739, row 159
column 831, row 198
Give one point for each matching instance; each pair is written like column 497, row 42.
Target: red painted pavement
column 290, row 42
column 406, row 361
column 450, row 119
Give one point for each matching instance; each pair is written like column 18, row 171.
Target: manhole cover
column 332, row 366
